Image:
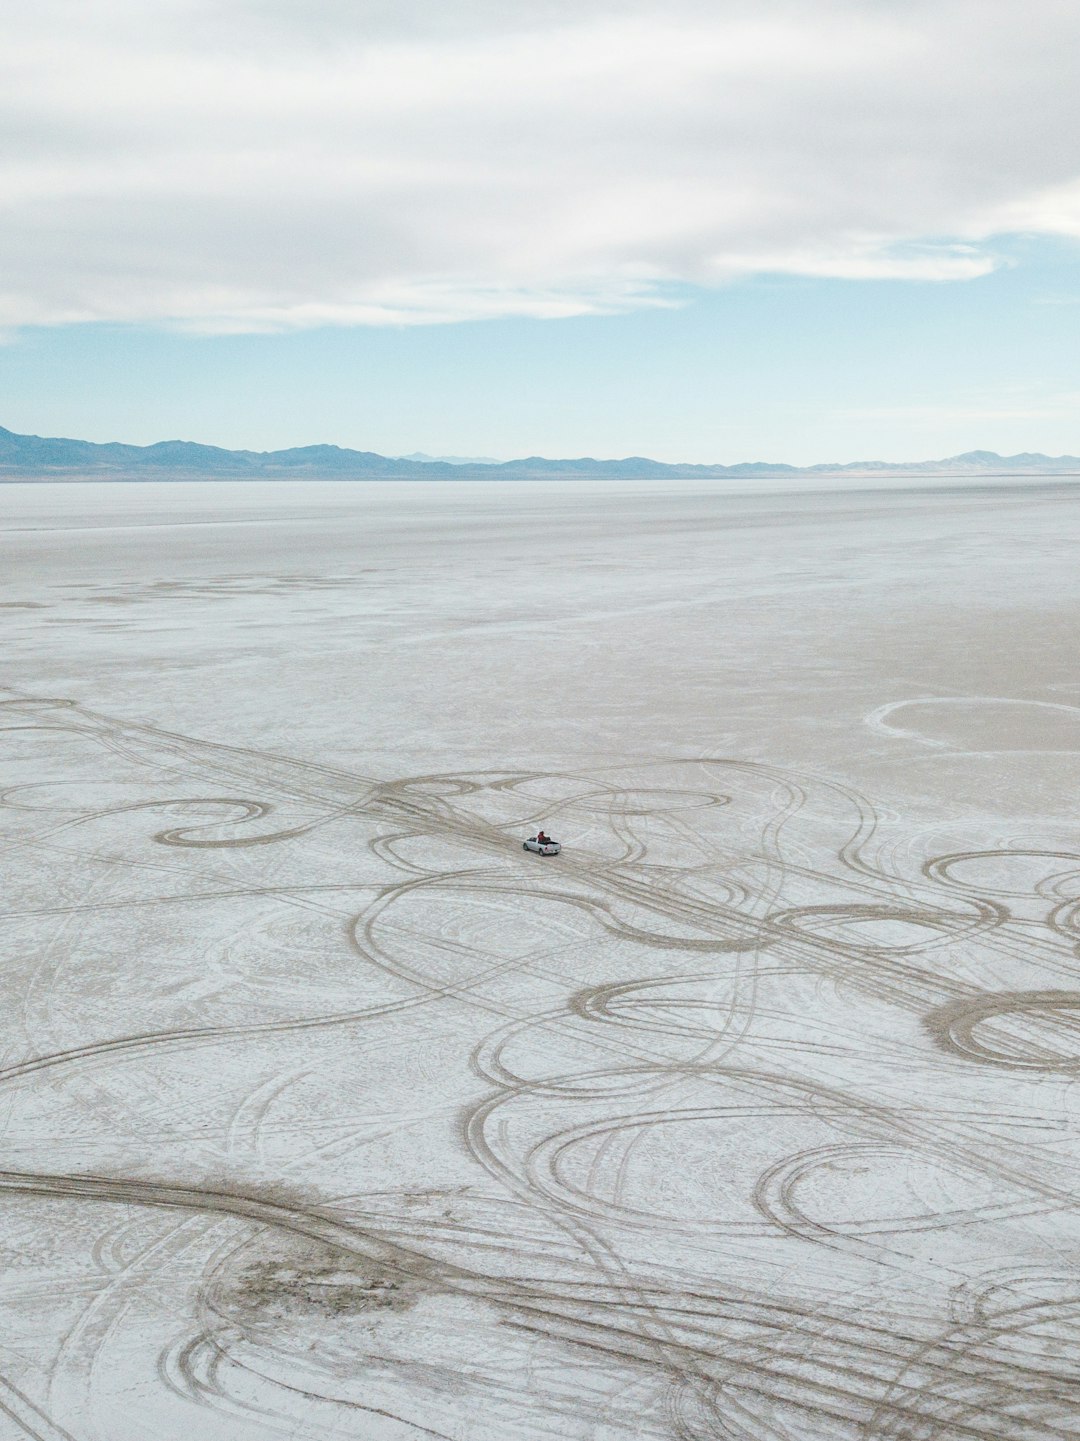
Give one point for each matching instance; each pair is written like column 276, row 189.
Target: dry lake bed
column 329, row 1112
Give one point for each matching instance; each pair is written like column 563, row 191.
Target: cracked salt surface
column 329, row 1111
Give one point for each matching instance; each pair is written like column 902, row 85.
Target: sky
column 798, row 230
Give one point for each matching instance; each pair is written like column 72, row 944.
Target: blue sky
column 781, row 368
column 704, row 232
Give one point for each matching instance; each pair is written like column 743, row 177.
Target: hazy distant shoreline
column 966, row 479
column 33, row 459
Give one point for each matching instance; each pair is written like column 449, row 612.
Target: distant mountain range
column 34, row 458
column 450, row 459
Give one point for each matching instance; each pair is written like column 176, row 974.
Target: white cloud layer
column 265, row 164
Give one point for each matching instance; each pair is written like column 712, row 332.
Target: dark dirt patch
column 333, row 1289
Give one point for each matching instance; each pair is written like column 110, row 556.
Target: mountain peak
column 33, row 457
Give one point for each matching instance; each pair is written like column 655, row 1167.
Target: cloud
column 257, row 164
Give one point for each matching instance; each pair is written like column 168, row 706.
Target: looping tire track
column 816, row 1362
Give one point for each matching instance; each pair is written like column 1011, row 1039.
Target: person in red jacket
column 543, row 839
